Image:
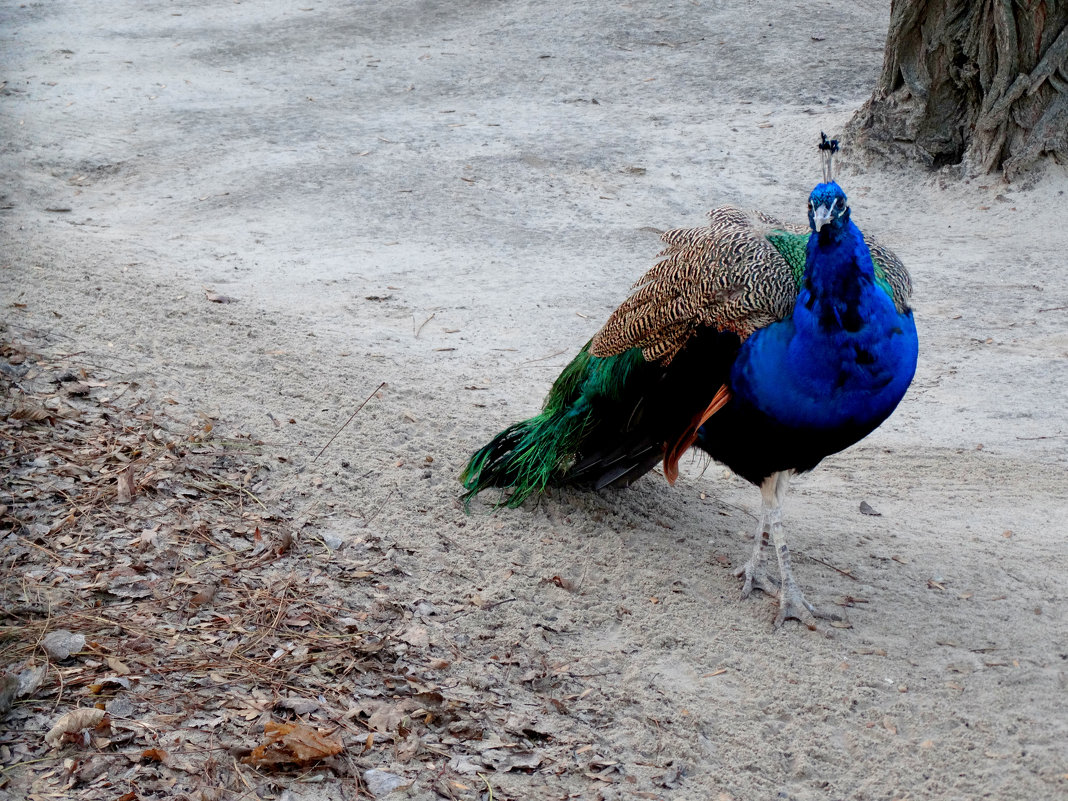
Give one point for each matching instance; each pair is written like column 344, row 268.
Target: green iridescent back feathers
column 739, row 273
column 890, row 273
column 529, row 455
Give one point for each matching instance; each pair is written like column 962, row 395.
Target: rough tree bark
column 978, row 82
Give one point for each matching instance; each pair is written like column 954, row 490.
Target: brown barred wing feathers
column 889, row 267
column 726, row 275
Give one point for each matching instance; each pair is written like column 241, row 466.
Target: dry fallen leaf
column 154, row 755
column 33, row 414
column 417, row 636
column 73, row 722
column 386, row 717
column 292, row 743
column 9, row 686
column 408, row 748
column 125, row 486
column 204, row 596
column 109, row 683
column 561, row 582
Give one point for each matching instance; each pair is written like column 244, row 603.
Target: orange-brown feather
column 688, row 437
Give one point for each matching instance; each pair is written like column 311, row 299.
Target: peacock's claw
column 794, row 606
column 792, row 602
column 757, row 577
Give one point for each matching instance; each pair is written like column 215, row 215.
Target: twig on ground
column 543, row 358
column 351, row 416
column 427, row 320
column 832, row 567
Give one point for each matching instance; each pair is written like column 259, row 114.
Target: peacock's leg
column 755, row 570
column 792, row 603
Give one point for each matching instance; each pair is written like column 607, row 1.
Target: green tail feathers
column 528, row 456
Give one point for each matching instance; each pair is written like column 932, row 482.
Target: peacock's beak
column 821, row 216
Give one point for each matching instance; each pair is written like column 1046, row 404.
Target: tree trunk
column 978, row 82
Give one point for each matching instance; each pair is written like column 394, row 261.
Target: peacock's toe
column 793, row 605
column 756, row 577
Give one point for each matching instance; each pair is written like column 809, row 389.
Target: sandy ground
column 450, row 198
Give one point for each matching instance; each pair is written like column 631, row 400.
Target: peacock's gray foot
column 792, row 603
column 755, row 571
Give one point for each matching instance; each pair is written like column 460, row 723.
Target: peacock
column 767, row 346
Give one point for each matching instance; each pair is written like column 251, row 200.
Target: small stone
column 30, row 679
column 120, row 707
column 425, row 609
column 9, row 685
column 463, row 765
column 60, row 644
column 299, row 706
column 381, row 783
column 866, row 509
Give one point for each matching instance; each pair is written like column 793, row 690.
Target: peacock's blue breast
column 834, row 363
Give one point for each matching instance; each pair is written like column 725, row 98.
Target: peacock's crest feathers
column 739, row 273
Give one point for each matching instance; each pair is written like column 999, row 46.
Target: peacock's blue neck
column 845, row 341
column 838, row 270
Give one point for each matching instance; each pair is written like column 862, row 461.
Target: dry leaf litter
column 169, row 631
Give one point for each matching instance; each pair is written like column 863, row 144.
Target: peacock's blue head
column 828, row 209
